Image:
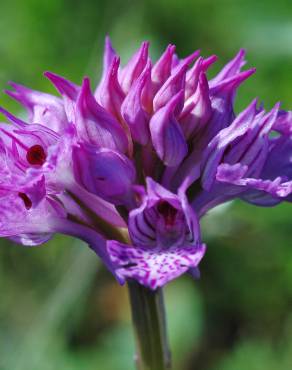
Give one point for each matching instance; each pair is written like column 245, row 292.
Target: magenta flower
column 166, row 234
column 146, row 155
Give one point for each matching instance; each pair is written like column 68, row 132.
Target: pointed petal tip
column 18, row 89
column 108, row 54
column 239, row 58
column 12, row 94
column 11, row 117
column 143, row 50
column 49, row 74
column 53, row 77
column 246, row 74
column 231, row 83
column 168, row 52
column 241, row 54
column 84, row 91
column 199, row 61
column 115, row 63
column 107, row 41
column 188, row 60
column 15, row 85
column 64, row 86
column 86, row 82
column 207, row 62
column 275, row 110
column 150, row 183
column 242, row 51
column 252, row 70
column 5, row 112
column 241, row 76
column 253, row 104
column 17, row 96
column 171, row 48
column 145, row 46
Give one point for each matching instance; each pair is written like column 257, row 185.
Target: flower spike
column 132, row 168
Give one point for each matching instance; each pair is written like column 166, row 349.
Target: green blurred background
column 59, row 309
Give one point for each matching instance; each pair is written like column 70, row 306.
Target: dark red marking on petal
column 27, row 202
column 36, row 155
column 167, row 211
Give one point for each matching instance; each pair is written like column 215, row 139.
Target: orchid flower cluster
column 131, row 167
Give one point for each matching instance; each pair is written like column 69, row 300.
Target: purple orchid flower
column 132, row 168
column 165, row 232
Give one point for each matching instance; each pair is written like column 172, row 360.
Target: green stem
column 149, row 323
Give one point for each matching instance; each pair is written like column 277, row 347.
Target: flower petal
column 153, row 268
column 162, row 68
column 230, row 69
column 278, row 165
column 133, row 112
column 197, row 109
column 234, row 174
column 222, row 96
column 110, row 94
column 95, row 125
column 174, row 84
column 42, row 108
column 134, row 67
column 108, row 56
column 166, row 133
column 105, row 172
column 215, row 150
column 69, row 92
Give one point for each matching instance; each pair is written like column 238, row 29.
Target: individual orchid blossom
column 131, row 168
column 166, row 235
